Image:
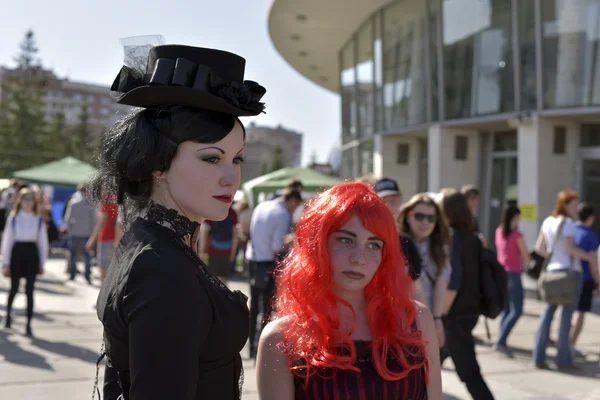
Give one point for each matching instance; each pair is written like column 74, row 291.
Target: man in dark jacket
column 389, row 191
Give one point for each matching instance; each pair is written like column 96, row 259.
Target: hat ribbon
column 185, row 73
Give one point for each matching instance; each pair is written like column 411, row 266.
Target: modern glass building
column 440, row 93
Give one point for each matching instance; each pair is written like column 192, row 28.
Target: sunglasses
column 420, row 217
column 27, row 198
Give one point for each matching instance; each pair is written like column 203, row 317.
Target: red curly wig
column 304, row 295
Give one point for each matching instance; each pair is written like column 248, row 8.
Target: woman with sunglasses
column 25, row 248
column 420, row 220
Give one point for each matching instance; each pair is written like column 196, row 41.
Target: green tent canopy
column 67, row 171
column 313, row 181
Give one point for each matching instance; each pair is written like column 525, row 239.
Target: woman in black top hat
column 172, row 330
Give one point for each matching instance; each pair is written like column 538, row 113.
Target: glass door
column 502, row 176
column 590, row 186
column 503, row 190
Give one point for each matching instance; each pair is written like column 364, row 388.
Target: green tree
column 57, row 133
column 264, row 169
column 22, row 109
column 82, row 138
column 277, row 159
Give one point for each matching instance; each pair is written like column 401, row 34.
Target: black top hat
column 190, row 76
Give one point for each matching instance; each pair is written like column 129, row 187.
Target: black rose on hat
column 197, row 77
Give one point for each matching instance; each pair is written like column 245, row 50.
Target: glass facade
column 365, row 83
column 527, row 59
column 348, row 87
column 404, row 95
column 478, row 59
column 415, row 62
column 365, row 158
column 571, row 33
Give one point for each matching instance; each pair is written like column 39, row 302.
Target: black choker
column 183, row 227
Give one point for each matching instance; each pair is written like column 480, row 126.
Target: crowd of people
column 354, row 293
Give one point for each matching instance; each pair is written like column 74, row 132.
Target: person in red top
column 219, row 240
column 104, row 235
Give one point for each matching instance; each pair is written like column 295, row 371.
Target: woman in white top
column 564, row 255
column 25, row 248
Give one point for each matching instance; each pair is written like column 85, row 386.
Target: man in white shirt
column 271, row 222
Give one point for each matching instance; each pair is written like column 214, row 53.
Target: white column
column 434, row 148
column 378, row 156
column 528, row 136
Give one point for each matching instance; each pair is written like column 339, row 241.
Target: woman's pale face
column 204, row 177
column 355, row 255
column 421, row 220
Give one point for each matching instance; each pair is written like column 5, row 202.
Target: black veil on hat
column 155, row 74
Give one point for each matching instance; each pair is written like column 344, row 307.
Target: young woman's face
column 421, row 220
column 204, row 177
column 27, row 202
column 514, row 223
column 571, row 208
column 355, row 255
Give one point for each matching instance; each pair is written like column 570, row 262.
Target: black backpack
column 493, row 284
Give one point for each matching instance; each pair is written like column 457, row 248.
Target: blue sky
column 80, row 40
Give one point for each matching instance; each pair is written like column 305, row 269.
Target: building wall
column 260, row 145
column 406, row 175
column 444, row 169
column 69, row 97
column 542, row 174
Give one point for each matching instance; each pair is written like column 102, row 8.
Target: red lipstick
column 226, row 198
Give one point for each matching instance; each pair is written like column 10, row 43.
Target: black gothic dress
column 172, row 330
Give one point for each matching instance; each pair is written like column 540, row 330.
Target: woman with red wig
column 347, row 326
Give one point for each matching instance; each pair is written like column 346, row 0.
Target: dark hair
column 585, row 211
column 145, row 141
column 295, row 184
column 509, row 213
column 439, row 238
column 291, row 194
column 455, row 207
column 469, row 191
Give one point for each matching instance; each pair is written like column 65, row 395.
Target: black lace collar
column 184, row 228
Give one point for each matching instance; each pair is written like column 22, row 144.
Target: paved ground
column 60, row 362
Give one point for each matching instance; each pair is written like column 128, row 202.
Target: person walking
column 25, row 250
column 80, row 219
column 512, row 254
column 556, row 242
column 271, row 221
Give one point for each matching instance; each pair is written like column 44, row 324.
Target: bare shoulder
column 274, row 331
column 275, row 381
column 424, row 318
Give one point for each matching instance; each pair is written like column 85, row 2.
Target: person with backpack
column 219, row 239
column 25, row 250
column 463, row 302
